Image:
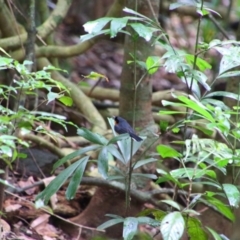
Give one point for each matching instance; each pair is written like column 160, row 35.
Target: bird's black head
column 118, row 120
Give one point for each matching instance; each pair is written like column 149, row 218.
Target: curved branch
column 83, row 103
column 44, row 30
column 44, row 143
column 141, row 196
column 69, row 51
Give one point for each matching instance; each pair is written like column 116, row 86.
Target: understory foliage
column 200, row 156
column 17, row 121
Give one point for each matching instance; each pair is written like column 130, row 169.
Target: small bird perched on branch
column 122, row 126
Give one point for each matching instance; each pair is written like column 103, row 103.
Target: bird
column 122, row 126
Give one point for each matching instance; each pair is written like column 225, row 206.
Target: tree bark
column 133, row 101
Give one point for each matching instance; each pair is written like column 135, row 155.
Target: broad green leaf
column 118, row 138
column 223, row 94
column 128, row 10
column 74, row 154
column 103, row 162
column 56, row 183
column 195, row 230
column 172, row 226
column 128, row 147
column 149, row 221
column 229, row 74
column 114, row 151
column 221, row 207
column 171, row 203
column 166, row 177
column 67, row 101
column 202, row 11
column 51, row 96
column 86, row 37
column 211, row 10
column 214, row 102
column 167, row 151
column 144, row 162
column 190, row 173
column 130, row 228
column 153, row 64
column 197, row 106
column 110, row 223
column 5, row 61
column 96, row 76
column 142, row 30
column 76, row 178
column 215, row 235
column 116, row 25
column 201, row 64
column 230, row 59
column 232, row 193
column 96, row 25
column 6, row 150
column 202, row 79
column 92, row 137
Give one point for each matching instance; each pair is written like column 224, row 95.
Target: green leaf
column 6, row 150
column 51, row 96
column 148, row 221
column 142, row 30
column 114, row 151
column 229, row 74
column 110, row 223
column 194, row 229
column 96, row 25
column 201, row 78
column 171, row 203
column 74, row 154
column 215, row 235
column 166, row 177
column 5, row 61
column 67, row 101
column 86, row 37
column 197, row 106
column 167, row 151
column 190, row 173
column 128, row 10
column 130, row 228
column 201, row 64
column 153, row 64
column 172, row 226
column 221, row 207
column 144, row 162
column 56, row 183
column 95, row 75
column 223, row 94
column 230, row 59
column 92, row 137
column 117, row 24
column 128, row 147
column 76, row 178
column 103, row 162
column 118, row 138
column 232, row 193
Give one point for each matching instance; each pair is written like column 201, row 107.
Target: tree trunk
column 133, row 102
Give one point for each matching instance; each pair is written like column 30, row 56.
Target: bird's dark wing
column 127, row 129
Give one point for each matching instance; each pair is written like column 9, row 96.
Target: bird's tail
column 134, row 136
